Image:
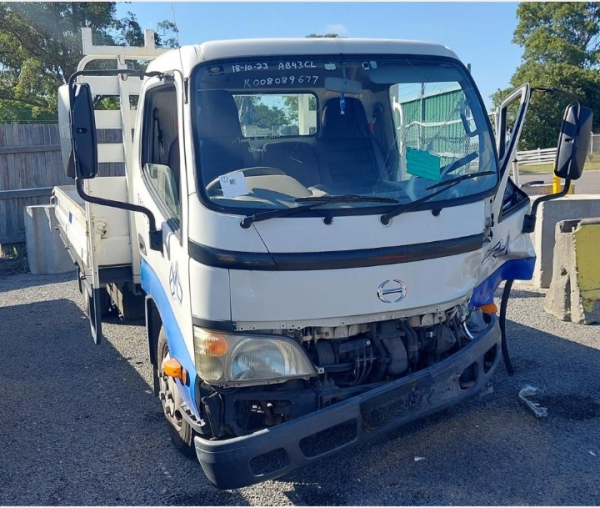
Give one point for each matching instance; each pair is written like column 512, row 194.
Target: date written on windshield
column 281, row 66
column 281, row 80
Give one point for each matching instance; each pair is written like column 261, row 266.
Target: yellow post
column 556, row 186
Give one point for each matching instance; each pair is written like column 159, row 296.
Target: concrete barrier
column 537, row 189
column 574, row 292
column 46, row 253
column 577, row 206
column 541, row 189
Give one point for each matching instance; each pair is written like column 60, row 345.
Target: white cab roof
column 190, row 56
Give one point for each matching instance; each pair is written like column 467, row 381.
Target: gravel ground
column 80, row 426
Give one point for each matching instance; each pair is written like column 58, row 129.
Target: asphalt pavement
column 589, row 183
column 79, row 424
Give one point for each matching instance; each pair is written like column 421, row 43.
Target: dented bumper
column 273, row 452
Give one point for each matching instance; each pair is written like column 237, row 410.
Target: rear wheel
column 180, row 431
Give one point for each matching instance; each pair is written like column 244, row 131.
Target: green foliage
column 254, row 112
column 559, row 32
column 40, row 47
column 267, row 116
column 561, row 43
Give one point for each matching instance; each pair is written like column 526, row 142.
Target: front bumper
column 275, row 451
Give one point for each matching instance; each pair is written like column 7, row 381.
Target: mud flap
column 94, row 311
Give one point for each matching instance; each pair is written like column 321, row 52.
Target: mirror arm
column 155, row 234
column 529, row 219
column 545, row 89
column 550, row 90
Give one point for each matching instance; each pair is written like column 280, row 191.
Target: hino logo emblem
column 391, row 290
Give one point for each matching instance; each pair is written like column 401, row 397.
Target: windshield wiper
column 345, row 198
column 459, row 179
column 448, row 184
column 313, row 202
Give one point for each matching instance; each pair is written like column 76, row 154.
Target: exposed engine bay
column 350, row 360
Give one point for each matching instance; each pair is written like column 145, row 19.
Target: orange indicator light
column 489, row 308
column 173, row 368
column 216, row 345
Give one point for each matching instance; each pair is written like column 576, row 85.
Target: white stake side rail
column 124, row 87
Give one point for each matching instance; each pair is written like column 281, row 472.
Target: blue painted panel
column 517, row 269
column 177, row 349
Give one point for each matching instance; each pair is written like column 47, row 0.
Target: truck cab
column 323, row 225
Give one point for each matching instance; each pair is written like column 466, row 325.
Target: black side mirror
column 83, row 131
column 573, row 142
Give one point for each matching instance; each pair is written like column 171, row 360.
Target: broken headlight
column 242, row 360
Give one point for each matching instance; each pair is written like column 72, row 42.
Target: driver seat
column 346, row 150
column 222, row 146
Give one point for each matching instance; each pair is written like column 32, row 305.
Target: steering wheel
column 253, row 171
column 417, row 186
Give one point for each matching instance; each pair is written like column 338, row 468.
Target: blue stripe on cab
column 177, row 349
column 516, row 269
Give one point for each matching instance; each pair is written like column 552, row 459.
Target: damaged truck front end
column 376, row 385
column 360, row 244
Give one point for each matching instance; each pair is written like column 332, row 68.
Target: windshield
column 270, row 132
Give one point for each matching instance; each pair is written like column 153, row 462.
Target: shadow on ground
column 79, row 424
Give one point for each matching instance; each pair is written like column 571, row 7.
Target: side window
column 514, row 199
column 160, row 159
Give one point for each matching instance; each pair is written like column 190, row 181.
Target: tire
column 180, row 431
column 105, row 303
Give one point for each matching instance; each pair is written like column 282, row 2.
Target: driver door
column 160, row 188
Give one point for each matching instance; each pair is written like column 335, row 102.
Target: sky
column 480, row 33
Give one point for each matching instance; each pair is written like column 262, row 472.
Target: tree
column 254, row 112
column 268, row 116
column 561, row 43
column 40, row 47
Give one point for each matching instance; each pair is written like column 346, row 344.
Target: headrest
column 352, row 124
column 217, row 115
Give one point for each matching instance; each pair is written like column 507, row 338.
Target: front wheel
column 180, row 431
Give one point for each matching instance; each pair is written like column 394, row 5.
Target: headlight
column 243, row 360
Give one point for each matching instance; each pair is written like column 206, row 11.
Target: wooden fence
column 30, row 166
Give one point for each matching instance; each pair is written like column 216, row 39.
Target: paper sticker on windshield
column 234, row 184
column 423, row 164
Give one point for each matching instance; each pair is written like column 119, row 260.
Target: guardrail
column 539, row 156
column 530, row 158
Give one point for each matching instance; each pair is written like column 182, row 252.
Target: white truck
column 314, row 230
